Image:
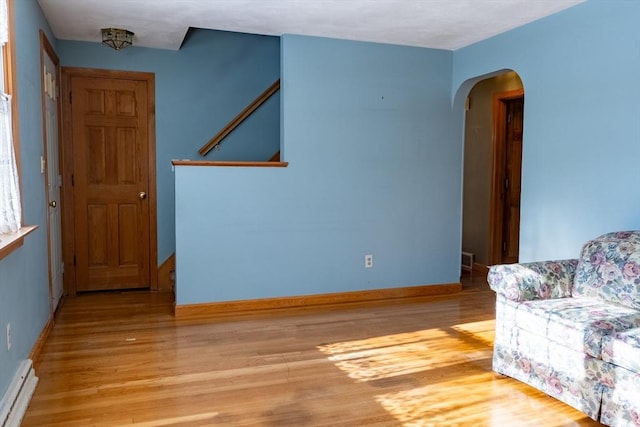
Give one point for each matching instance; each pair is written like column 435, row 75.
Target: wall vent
column 467, row 261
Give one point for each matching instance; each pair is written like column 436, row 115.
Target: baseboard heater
column 16, row 399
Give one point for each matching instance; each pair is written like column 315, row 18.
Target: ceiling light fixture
column 117, row 38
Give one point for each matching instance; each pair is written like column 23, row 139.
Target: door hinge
column 506, row 183
column 74, row 260
column 504, row 246
column 73, row 180
column 70, row 97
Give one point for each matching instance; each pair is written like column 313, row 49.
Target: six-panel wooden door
column 110, row 183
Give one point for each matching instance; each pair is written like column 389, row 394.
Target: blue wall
column 199, row 89
column 375, row 157
column 24, row 284
column 367, row 129
column 581, row 71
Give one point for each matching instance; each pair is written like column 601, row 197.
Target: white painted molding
column 16, row 399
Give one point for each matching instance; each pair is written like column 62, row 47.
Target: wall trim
column 165, row 272
column 42, row 338
column 228, row 307
column 220, row 163
column 16, row 399
column 480, row 268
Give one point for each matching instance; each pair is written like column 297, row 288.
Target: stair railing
column 237, row 120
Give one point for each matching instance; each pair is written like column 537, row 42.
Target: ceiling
column 442, row 24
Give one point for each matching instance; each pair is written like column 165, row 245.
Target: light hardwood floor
column 121, row 358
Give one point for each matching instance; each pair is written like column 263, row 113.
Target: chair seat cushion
column 579, row 324
column 623, row 349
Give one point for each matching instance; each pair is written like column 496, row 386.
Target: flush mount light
column 117, row 38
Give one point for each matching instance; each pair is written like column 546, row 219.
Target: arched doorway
column 492, row 169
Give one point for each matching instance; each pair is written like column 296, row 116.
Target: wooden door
column 512, row 179
column 50, row 97
column 110, row 132
column 508, row 112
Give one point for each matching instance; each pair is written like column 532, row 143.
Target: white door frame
column 50, row 77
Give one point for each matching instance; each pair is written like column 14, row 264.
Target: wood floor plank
column 122, row 359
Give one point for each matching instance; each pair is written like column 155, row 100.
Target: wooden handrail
column 213, row 142
column 229, row 163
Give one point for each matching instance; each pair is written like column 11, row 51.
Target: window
column 11, row 230
column 10, row 209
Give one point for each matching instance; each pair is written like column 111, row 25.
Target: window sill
column 12, row 241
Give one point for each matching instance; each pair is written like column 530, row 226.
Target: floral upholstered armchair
column 571, row 328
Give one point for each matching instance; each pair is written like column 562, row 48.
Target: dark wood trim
column 498, row 172
column 67, row 168
column 66, row 191
column 109, row 74
column 234, row 164
column 480, row 268
column 275, row 157
column 48, row 47
column 229, row 307
column 12, row 241
column 152, row 192
column 165, row 282
column 36, row 350
column 237, row 120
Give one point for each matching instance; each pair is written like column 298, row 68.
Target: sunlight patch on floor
column 175, row 420
column 421, row 372
column 410, row 353
column 428, row 406
column 481, row 331
column 392, row 355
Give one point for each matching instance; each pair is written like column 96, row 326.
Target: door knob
column 53, row 204
column 142, row 195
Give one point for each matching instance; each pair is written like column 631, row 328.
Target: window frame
column 12, row 241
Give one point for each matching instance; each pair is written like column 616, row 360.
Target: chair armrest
column 534, row 280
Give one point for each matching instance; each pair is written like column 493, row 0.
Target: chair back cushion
column 609, row 269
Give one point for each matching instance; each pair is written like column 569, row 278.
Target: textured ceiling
column 443, row 24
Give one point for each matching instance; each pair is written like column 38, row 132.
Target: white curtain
column 10, row 211
column 4, row 22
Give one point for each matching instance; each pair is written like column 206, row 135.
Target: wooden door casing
column 512, row 181
column 110, row 161
column 504, row 226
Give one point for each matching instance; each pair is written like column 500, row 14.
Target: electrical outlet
column 8, row 336
column 368, row 261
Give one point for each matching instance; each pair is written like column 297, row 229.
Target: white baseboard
column 15, row 401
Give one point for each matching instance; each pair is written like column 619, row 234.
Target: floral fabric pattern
column 579, row 324
column 621, row 402
column 623, row 349
column 576, row 386
column 571, row 328
column 534, row 280
column 609, row 269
